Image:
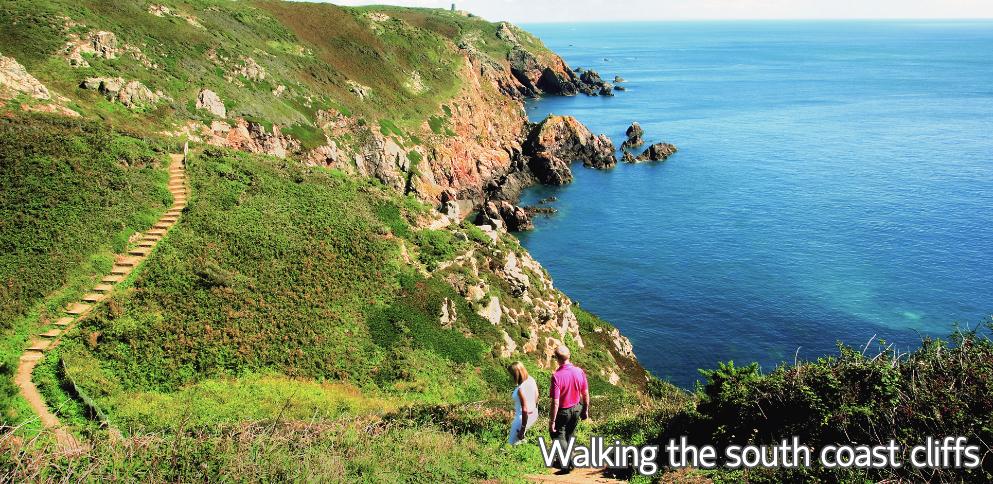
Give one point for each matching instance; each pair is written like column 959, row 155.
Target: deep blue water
column 834, row 182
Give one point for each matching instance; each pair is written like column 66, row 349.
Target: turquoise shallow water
column 834, row 182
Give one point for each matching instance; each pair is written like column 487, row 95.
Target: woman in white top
column 525, row 402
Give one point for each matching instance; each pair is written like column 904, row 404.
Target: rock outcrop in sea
column 657, row 152
column 557, row 141
column 634, row 134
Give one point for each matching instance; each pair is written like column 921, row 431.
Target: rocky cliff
column 430, row 103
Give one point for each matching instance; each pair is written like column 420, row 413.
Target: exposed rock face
column 210, row 101
column 526, row 69
column 164, row 11
column 15, row 79
column 251, row 70
column 657, row 152
column 100, row 44
column 634, row 134
column 492, row 311
column 132, row 94
column 504, row 214
column 537, row 326
column 251, row 137
column 359, row 90
column 448, row 313
column 506, row 32
column 557, row 83
column 557, row 141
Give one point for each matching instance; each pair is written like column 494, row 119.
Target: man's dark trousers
column 565, row 426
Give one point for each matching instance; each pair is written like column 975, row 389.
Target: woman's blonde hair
column 518, row 372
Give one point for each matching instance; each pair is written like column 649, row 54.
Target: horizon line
column 772, row 19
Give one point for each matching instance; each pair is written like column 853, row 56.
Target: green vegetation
column 944, row 388
column 280, row 307
column 71, row 194
column 312, row 55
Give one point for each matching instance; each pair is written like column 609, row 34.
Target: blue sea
column 834, row 183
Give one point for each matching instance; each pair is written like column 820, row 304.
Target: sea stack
column 634, row 134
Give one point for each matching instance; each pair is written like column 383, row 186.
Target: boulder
column 104, row 44
column 657, row 152
column 210, row 101
column 360, row 90
column 134, row 95
column 634, row 134
column 619, row 79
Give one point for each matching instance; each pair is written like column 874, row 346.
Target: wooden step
column 128, row 261
column 32, row 355
column 64, row 321
column 52, row 333
column 112, row 278
column 146, row 244
column 78, row 308
column 93, row 297
column 169, row 219
column 39, row 345
column 156, row 232
column 103, row 288
column 140, row 251
column 162, row 225
column 120, row 270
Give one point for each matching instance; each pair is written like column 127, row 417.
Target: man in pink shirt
column 570, row 395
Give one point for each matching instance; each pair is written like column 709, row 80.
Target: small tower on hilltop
column 453, row 6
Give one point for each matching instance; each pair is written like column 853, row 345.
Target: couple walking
column 568, row 392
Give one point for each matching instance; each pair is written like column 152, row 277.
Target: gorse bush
column 940, row 389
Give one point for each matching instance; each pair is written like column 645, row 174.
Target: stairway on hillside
column 74, row 312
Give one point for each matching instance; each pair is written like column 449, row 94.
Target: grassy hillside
column 293, row 308
column 71, row 194
column 291, row 295
column 316, row 52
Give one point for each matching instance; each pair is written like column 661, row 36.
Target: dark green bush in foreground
column 941, row 389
